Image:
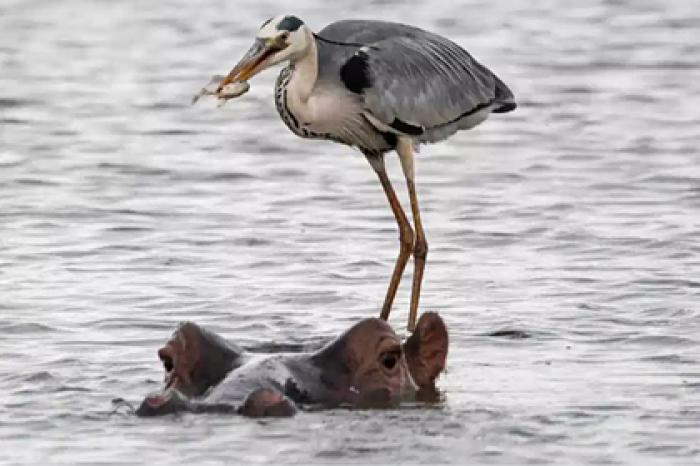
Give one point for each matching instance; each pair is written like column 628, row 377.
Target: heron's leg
column 405, row 232
column 420, row 250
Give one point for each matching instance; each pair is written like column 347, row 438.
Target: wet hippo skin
column 365, row 367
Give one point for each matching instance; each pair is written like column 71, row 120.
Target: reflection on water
column 572, row 221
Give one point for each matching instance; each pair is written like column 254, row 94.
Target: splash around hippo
column 365, row 367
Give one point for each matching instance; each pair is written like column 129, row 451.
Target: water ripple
column 564, row 237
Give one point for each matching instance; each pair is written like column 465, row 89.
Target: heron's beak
column 251, row 63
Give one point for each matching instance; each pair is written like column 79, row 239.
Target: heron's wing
column 365, row 31
column 340, row 40
column 419, row 81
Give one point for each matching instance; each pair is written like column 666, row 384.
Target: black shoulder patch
column 390, row 139
column 289, row 23
column 355, row 73
column 406, row 128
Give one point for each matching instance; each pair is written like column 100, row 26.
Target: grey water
column 565, row 236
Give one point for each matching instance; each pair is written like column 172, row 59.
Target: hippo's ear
column 426, row 349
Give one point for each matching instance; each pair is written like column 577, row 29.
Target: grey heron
column 377, row 86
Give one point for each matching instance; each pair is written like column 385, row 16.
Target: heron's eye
column 284, row 36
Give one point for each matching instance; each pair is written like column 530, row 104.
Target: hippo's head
column 367, row 366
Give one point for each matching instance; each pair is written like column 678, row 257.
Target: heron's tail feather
column 504, row 97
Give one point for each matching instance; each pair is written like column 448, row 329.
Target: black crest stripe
column 289, row 23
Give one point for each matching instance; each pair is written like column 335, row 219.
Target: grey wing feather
column 367, row 31
column 421, row 79
column 428, row 82
column 355, row 33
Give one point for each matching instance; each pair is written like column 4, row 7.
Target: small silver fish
column 229, row 91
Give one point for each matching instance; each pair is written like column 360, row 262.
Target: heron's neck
column 305, row 73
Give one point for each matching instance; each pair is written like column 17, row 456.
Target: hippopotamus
column 367, row 366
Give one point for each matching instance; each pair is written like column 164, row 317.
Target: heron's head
column 280, row 38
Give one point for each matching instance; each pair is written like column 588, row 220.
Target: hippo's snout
column 378, row 398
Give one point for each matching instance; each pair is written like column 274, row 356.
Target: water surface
column 573, row 222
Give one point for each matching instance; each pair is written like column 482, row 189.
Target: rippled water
column 573, row 221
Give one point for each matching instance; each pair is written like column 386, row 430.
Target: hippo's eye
column 390, row 360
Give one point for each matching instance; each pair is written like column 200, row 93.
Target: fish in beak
column 227, row 92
